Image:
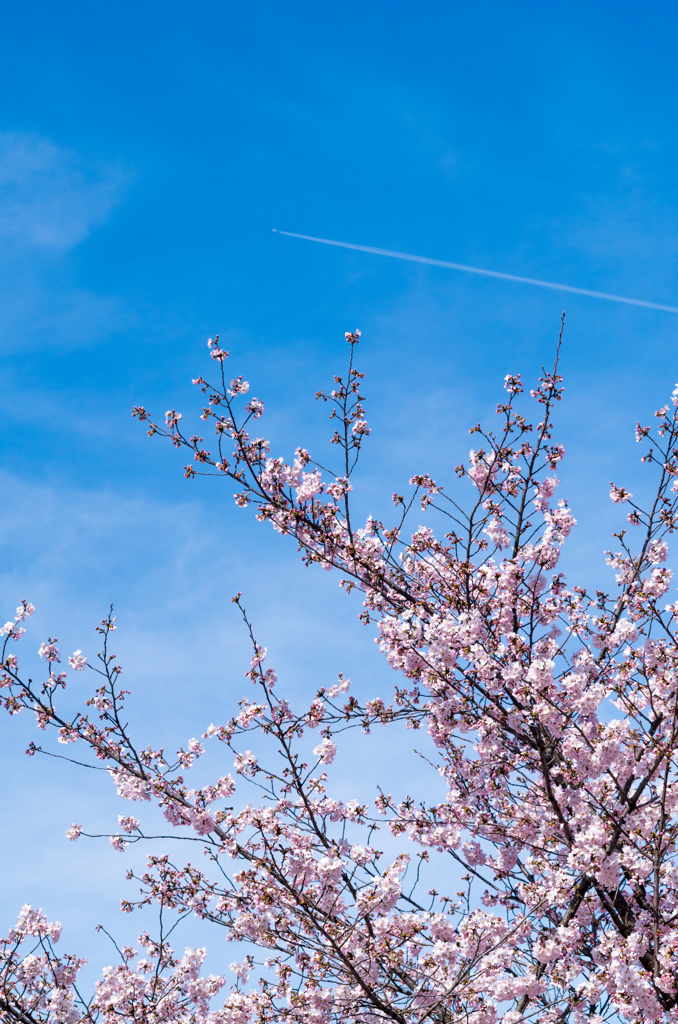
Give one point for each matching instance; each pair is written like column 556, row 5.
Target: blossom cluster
column 39, row 985
column 552, row 711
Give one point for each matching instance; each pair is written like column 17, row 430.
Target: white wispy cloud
column 51, row 196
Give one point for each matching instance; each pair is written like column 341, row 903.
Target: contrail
column 485, row 273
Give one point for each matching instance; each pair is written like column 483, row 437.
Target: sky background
column 146, row 152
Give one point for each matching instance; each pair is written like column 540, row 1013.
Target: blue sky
column 146, row 152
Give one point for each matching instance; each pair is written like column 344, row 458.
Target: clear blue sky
column 146, row 152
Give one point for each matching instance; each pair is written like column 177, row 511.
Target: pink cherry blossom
column 326, row 751
column 49, row 651
column 537, row 881
column 77, row 661
column 619, row 494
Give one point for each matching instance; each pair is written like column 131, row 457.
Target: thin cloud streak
column 485, row 273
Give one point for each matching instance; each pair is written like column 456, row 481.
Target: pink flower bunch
column 553, row 714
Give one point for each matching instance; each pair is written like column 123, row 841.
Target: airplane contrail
column 479, row 270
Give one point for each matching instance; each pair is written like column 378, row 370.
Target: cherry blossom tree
column 552, row 711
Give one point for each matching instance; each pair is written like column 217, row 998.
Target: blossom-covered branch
column 553, row 715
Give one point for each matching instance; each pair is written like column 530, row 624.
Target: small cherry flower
column 24, row 609
column 238, row 387
column 172, row 418
column 619, row 494
column 326, row 751
column 217, row 353
column 128, row 823
column 256, row 407
column 49, row 651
